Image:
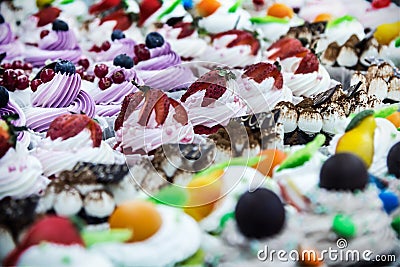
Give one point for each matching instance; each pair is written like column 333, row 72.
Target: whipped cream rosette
column 8, row 43
column 234, row 48
column 159, row 66
column 72, row 138
column 59, row 92
column 60, row 42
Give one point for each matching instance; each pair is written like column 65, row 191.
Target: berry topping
column 35, row 84
column 187, row 29
column 84, row 62
column 60, row 25
column 4, row 97
column 308, row 64
column 1, row 19
column 9, row 79
column 393, row 160
column 27, row 66
column 130, row 103
column 105, row 83
column 117, row 34
column 380, row 3
column 141, row 52
column 64, row 66
column 69, row 125
column 154, row 39
column 123, row 61
column 22, row 82
column 95, row 49
column 343, row 171
column 147, row 8
column 261, row 71
column 100, row 70
column 105, row 45
column 242, row 38
column 118, row 77
column 17, row 64
column 44, row 33
column 79, row 70
column 47, row 75
column 260, row 214
column 287, row 47
column 47, row 15
column 89, row 77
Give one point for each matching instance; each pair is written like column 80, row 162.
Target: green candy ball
column 344, row 226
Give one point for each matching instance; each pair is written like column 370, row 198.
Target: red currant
column 22, row 82
column 47, row 75
column 6, row 65
column 35, row 84
column 10, row 77
column 44, row 33
column 141, row 52
column 105, row 45
column 17, row 64
column 105, row 83
column 27, row 66
column 100, row 70
column 84, row 62
column 118, row 77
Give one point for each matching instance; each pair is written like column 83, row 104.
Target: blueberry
column 1, row 19
column 154, row 39
column 187, row 4
column 64, row 66
column 4, row 97
column 123, row 61
column 117, row 34
column 60, row 25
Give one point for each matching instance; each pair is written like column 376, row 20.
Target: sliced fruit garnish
column 358, row 119
column 308, row 64
column 261, row 71
column 47, row 15
column 287, row 47
column 242, row 38
column 91, row 238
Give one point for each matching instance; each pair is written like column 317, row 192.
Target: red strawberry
column 308, row 64
column 152, row 96
column 213, row 91
column 103, row 5
column 287, row 47
column 51, row 229
column 47, row 15
column 69, row 125
column 180, row 115
column 261, row 71
column 148, row 8
column 162, row 109
column 187, row 29
column 243, row 38
column 124, row 21
column 130, row 103
column 380, row 3
column 5, row 142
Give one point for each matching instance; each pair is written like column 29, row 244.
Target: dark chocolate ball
column 393, row 160
column 343, row 171
column 260, row 214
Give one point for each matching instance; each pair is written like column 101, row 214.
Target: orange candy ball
column 207, row 7
column 394, row 118
column 272, row 158
column 139, row 216
column 280, row 11
column 323, row 17
column 309, row 257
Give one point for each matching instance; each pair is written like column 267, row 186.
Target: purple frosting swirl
column 121, row 46
column 62, row 95
column 6, row 35
column 55, row 45
column 160, row 58
column 12, row 48
column 13, row 108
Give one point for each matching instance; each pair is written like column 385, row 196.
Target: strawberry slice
column 187, row 29
column 152, row 97
column 308, row 64
column 162, row 108
column 130, row 103
column 287, row 47
column 148, row 8
column 47, row 15
column 201, row 129
column 213, row 91
column 243, row 38
column 5, row 142
column 380, row 3
column 51, row 229
column 180, row 115
column 261, row 71
column 124, row 21
column 103, row 5
column 70, row 125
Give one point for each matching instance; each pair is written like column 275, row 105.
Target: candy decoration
column 235, row 6
column 91, row 238
column 171, row 195
column 386, row 111
column 169, row 9
column 344, row 226
column 396, row 224
column 268, row 19
column 387, row 32
column 390, row 201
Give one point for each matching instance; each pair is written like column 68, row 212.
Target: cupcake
column 156, row 63
column 148, row 119
column 58, row 43
column 72, row 138
column 234, row 48
column 119, row 44
column 112, row 85
column 346, row 208
column 56, row 92
column 10, row 48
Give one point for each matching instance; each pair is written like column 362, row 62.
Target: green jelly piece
column 171, row 195
column 303, row 155
column 344, row 226
column 65, row 2
column 386, row 111
column 340, row 20
column 197, row 259
column 396, row 224
column 359, row 118
column 235, row 6
column 268, row 19
column 397, row 43
column 233, row 162
column 113, row 235
column 169, row 9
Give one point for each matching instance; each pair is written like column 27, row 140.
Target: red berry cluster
column 141, row 53
column 104, row 47
column 101, row 70
column 15, row 75
column 83, row 65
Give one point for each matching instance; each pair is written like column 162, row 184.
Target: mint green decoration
column 171, row 195
column 357, row 119
column 65, row 2
column 396, row 225
column 344, row 226
column 197, row 259
column 268, row 19
column 169, row 9
column 340, row 20
column 386, row 111
column 113, row 235
column 301, row 156
column 397, row 43
column 235, row 6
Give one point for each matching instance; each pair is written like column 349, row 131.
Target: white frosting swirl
column 223, row 20
column 391, row 53
column 59, row 155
